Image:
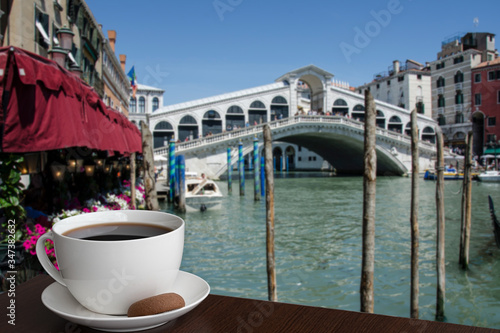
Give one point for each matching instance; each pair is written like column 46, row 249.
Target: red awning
column 45, row 107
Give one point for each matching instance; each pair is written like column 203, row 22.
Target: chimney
column 396, row 66
column 112, row 39
column 123, row 59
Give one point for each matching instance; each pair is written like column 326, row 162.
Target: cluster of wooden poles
column 369, row 196
column 368, row 231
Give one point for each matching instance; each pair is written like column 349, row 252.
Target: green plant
column 11, row 191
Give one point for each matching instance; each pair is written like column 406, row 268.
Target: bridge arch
column 395, row 124
column 235, row 118
column 211, row 123
column 257, row 113
column 279, row 108
column 315, row 82
column 278, row 158
column 340, row 107
column 187, row 128
column 358, row 112
column 428, row 134
column 162, row 133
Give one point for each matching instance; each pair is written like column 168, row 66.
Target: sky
column 201, row 48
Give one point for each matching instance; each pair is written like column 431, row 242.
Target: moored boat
column 202, row 194
column 449, row 174
column 489, row 176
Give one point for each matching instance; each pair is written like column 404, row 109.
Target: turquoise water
column 318, row 223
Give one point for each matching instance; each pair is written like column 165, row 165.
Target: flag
column 133, row 80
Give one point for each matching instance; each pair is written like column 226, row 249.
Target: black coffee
column 117, row 231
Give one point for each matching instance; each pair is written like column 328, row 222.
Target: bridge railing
column 256, row 130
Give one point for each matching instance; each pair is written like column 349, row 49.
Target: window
column 420, row 107
column 477, row 99
column 156, row 103
column 401, row 78
column 441, row 120
column 498, row 75
column 490, row 138
column 441, row 103
column 498, row 97
column 388, row 82
column 477, row 77
column 142, row 105
column 419, row 77
column 378, row 85
column 133, row 105
column 440, row 65
column 458, row 60
column 459, row 77
column 42, row 28
column 440, row 82
column 491, row 76
column 459, row 98
column 459, row 118
column 492, row 121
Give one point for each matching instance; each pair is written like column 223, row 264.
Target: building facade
column 407, row 86
column 451, row 84
column 486, row 105
column 43, row 27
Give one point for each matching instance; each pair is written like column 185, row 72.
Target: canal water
column 318, row 224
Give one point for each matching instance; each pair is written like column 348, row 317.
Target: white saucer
column 58, row 299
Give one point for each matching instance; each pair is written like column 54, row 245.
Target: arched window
column 395, row 124
column 142, row 105
column 380, row 120
column 340, row 102
column 162, row 134
column 187, row 120
column 279, row 108
column 211, row 123
column 279, row 100
column 428, row 134
column 156, row 104
column 212, row 114
column 359, row 107
column 257, row 105
column 340, row 107
column 234, row 109
column 459, row 77
column 440, row 82
column 133, row 105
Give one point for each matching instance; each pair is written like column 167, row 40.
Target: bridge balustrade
column 257, row 130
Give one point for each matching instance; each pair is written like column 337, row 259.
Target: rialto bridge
column 303, row 109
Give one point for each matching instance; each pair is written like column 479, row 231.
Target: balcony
column 459, row 107
column 440, row 91
column 459, row 86
column 440, row 110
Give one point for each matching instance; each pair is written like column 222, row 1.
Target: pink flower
column 94, row 208
column 86, row 210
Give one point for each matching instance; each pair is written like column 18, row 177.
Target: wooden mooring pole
column 440, row 240
column 414, row 216
column 171, row 170
column 271, row 269
column 132, row 181
column 256, row 196
column 241, row 168
column 181, row 166
column 466, row 205
column 369, row 188
column 229, row 172
column 149, row 171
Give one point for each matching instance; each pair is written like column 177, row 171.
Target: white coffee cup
column 108, row 276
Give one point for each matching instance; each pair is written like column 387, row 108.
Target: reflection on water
column 318, row 246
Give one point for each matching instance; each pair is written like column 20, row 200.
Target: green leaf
column 14, row 200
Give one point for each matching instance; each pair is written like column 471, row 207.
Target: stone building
column 406, row 85
column 486, row 106
column 451, row 83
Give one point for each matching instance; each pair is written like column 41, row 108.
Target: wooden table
column 224, row 314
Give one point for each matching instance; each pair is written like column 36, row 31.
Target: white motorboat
column 202, row 194
column 489, row 176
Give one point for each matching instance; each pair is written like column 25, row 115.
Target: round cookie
column 156, row 304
